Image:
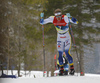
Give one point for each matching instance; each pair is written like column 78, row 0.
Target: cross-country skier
column 65, row 64
column 63, row 36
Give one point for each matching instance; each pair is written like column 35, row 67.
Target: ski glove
column 42, row 15
column 68, row 15
column 41, row 20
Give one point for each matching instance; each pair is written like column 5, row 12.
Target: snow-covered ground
column 88, row 78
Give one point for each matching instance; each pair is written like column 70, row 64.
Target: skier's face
column 58, row 17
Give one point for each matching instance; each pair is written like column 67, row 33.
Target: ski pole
column 43, row 51
column 42, row 15
column 55, row 63
column 73, row 40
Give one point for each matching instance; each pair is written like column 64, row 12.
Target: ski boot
column 65, row 72
column 61, row 71
column 72, row 71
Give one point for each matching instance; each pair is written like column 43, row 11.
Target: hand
column 42, row 15
column 68, row 15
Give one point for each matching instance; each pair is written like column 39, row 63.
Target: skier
column 63, row 36
column 65, row 64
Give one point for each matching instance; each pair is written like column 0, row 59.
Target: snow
column 88, row 78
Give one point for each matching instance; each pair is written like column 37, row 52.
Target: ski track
column 57, row 79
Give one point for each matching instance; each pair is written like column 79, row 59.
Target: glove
column 41, row 20
column 68, row 15
column 42, row 15
column 73, row 19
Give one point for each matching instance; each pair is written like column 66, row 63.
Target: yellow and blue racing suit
column 63, row 36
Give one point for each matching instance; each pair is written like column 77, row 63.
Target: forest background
column 21, row 43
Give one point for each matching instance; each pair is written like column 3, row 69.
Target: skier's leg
column 60, row 51
column 68, row 55
column 67, row 51
column 60, row 46
column 70, row 60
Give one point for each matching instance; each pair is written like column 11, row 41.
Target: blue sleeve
column 74, row 19
column 41, row 21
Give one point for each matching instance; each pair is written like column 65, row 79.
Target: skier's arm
column 73, row 20
column 70, row 19
column 48, row 20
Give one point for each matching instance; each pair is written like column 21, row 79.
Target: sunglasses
column 58, row 16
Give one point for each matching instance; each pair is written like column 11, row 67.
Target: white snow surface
column 88, row 78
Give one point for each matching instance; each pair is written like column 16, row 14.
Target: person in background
column 65, row 64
